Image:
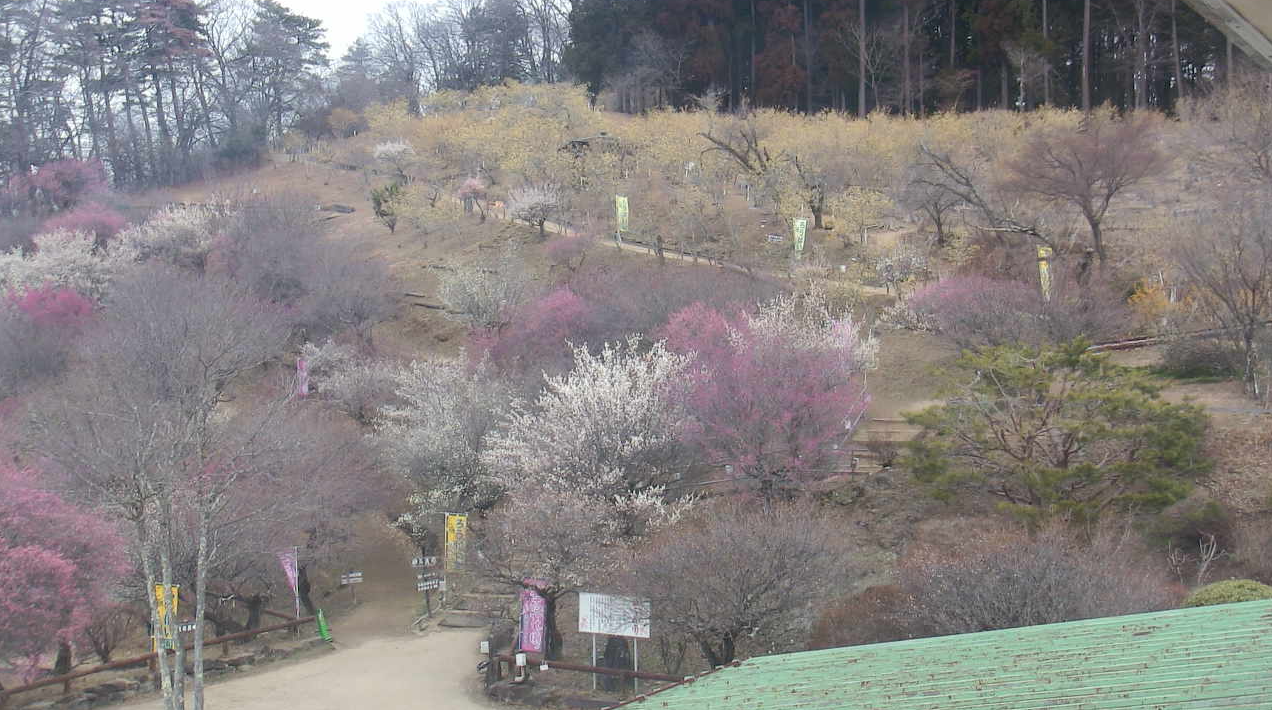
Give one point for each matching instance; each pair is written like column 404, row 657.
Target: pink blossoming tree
column 92, row 217
column 778, row 389
column 58, row 560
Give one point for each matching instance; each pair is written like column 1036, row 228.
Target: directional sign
column 418, row 562
column 425, row 581
column 186, row 627
column 351, row 578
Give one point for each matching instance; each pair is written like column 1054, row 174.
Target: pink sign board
column 533, row 618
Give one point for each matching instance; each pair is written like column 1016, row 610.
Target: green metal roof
column 1209, row 657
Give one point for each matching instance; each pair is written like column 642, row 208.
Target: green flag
column 324, row 632
column 620, row 208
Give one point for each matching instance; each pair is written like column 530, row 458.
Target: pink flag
column 291, row 567
column 533, row 618
column 302, row 377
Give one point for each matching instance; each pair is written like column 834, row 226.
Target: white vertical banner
column 290, row 560
column 302, row 377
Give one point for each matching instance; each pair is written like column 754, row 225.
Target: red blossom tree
column 778, row 390
column 57, row 185
column 38, row 327
column 93, row 217
column 538, row 337
column 51, row 306
column 57, row 561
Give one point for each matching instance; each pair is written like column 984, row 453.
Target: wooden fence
column 148, row 658
column 563, row 666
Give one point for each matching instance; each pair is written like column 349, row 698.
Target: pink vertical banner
column 291, row 567
column 302, row 377
column 533, row 618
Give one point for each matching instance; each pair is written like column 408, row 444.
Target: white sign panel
column 351, row 578
column 613, row 616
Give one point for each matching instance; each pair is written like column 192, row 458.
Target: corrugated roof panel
column 1211, row 657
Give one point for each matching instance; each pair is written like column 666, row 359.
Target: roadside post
column 348, row 579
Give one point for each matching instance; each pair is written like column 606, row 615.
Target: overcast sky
column 345, row 20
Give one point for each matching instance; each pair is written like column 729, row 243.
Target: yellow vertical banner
column 801, row 230
column 456, row 537
column 1044, row 271
column 165, row 632
column 622, row 214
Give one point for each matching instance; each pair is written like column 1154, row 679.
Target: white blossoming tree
column 358, row 386
column 485, row 295
column 67, row 259
column 609, row 428
column 179, row 235
column 536, row 204
column 435, row 435
column 398, row 155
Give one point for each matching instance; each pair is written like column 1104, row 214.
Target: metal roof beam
column 1248, row 23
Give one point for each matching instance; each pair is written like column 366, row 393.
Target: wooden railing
column 147, row 658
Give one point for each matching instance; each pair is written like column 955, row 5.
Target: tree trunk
column 1004, row 84
column 1086, row 56
column 168, row 579
column 753, row 33
column 938, row 224
column 200, row 609
column 1247, row 338
column 170, row 701
column 1227, row 67
column 907, row 100
column 302, row 590
column 953, row 30
column 861, row 59
column 618, row 656
column 1141, row 57
column 1097, row 240
column 165, row 133
column 1174, row 41
column 717, row 657
column 922, row 87
column 1046, row 74
column 62, row 665
column 554, row 642
column 808, row 57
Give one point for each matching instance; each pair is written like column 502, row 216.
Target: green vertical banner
column 801, row 230
column 324, row 631
column 621, row 213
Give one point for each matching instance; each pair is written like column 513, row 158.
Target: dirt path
column 378, row 661
column 436, row 670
